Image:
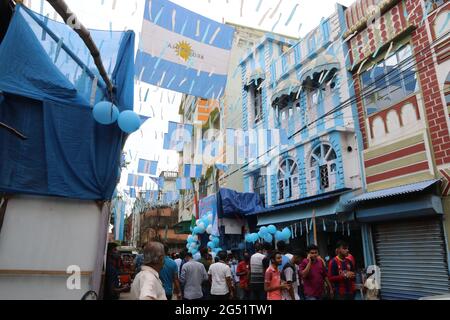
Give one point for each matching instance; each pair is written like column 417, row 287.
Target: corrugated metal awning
column 391, row 192
column 301, row 202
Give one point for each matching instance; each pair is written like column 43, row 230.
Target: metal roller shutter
column 412, row 258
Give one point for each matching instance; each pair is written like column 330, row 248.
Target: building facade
column 399, row 63
column 302, row 90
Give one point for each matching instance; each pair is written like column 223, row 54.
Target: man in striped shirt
column 341, row 273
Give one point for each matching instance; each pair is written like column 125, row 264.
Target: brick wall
column 434, row 107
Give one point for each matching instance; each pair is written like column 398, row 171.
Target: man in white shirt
column 192, row 276
column 146, row 284
column 290, row 276
column 257, row 274
column 220, row 278
column 178, row 261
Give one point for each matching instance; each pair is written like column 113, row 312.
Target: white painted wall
column 41, row 233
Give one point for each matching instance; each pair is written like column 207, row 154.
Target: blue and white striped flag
column 135, row 180
column 147, row 166
column 170, row 197
column 222, row 167
column 178, row 134
column 159, row 181
column 184, row 184
column 192, row 170
column 151, row 195
column 183, row 51
column 119, row 219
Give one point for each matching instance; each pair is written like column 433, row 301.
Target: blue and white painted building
column 302, row 88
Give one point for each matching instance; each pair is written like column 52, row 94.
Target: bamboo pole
column 71, row 20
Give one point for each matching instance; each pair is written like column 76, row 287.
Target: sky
column 162, row 105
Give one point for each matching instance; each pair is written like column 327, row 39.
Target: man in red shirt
column 243, row 272
column 341, row 273
column 272, row 279
column 314, row 274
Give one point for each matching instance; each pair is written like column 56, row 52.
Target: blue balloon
column 264, row 230
column 105, row 112
column 247, row 238
column 268, row 238
column 211, row 245
column 272, row 229
column 279, row 235
column 286, row 233
column 197, row 230
column 217, row 250
column 216, row 241
column 201, row 230
column 255, row 237
column 129, row 121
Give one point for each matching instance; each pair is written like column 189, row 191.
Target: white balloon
column 195, row 238
column 211, row 237
column 209, row 229
column 201, row 225
column 210, row 217
column 197, row 222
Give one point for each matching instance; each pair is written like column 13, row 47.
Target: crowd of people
column 267, row 274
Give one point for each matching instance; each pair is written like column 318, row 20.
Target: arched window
column 287, row 179
column 323, row 168
column 259, row 186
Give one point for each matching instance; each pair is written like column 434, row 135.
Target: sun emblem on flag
column 184, row 50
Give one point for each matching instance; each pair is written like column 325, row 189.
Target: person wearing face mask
column 113, row 287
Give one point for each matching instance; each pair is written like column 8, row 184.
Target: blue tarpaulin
column 46, row 84
column 234, row 204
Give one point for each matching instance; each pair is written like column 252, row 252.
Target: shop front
column 409, row 246
column 318, row 220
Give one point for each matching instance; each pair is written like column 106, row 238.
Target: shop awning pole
column 314, row 226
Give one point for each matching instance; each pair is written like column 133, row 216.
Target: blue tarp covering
column 233, row 204
column 46, row 81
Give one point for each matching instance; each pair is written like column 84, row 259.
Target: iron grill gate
column 412, row 259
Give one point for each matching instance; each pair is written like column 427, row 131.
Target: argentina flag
column 184, row 184
column 147, row 166
column 119, row 219
column 178, row 134
column 193, row 171
column 183, row 51
column 135, row 180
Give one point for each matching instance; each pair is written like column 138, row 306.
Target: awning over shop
column 392, row 192
column 323, row 205
column 410, row 201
